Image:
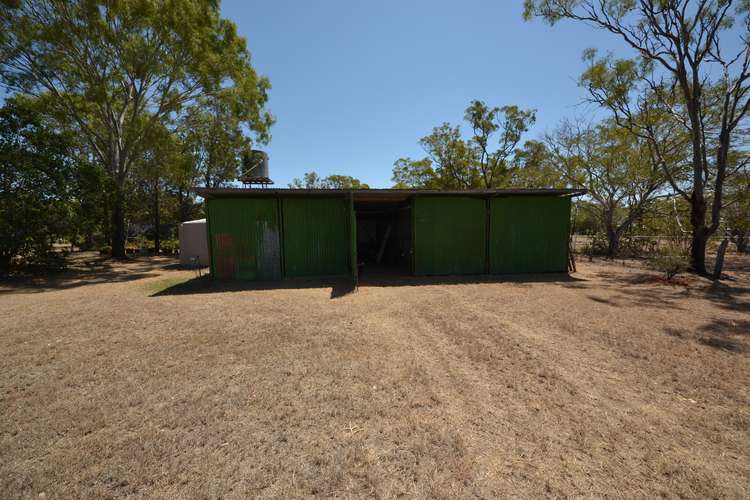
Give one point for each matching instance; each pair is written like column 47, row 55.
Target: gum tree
column 37, row 179
column 118, row 70
column 483, row 161
column 615, row 167
column 696, row 60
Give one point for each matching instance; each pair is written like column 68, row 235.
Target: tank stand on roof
column 262, row 182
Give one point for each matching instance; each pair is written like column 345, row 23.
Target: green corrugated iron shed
column 450, row 235
column 316, row 236
column 529, row 234
column 266, row 234
column 244, row 241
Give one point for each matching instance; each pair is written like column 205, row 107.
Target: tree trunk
column 613, row 235
column 118, row 224
column 700, row 234
column 720, row 259
column 698, row 251
column 5, row 259
column 613, row 243
column 106, row 221
column 739, row 238
column 157, row 221
column 180, row 203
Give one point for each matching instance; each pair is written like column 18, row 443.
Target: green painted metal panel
column 244, row 239
column 529, row 234
column 316, row 236
column 449, row 235
column 353, row 264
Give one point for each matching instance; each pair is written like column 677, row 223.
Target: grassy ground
column 141, row 380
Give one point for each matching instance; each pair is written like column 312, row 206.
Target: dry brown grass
column 119, row 380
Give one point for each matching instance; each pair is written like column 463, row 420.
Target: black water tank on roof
column 255, row 165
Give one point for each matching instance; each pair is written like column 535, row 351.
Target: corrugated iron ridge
column 385, row 193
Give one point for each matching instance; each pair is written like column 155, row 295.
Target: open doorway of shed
column 384, row 238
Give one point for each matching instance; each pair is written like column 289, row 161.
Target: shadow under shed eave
column 341, row 286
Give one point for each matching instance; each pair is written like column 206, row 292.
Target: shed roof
column 380, row 194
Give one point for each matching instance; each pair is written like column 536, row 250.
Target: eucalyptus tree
column 311, row 180
column 117, row 71
column 410, row 173
column 491, row 164
column 37, row 179
column 213, row 131
column 616, row 168
column 484, row 160
column 694, row 60
column 159, row 166
column 536, row 166
column 737, row 213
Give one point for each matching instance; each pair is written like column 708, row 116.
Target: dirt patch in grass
column 139, row 379
column 673, row 281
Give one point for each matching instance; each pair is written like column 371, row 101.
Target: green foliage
column 36, row 178
column 170, row 246
column 213, row 134
column 536, row 167
column 737, row 212
column 597, row 245
column 311, row 180
column 616, row 168
column 160, row 196
column 408, row 173
column 484, row 160
column 671, row 261
column 118, row 72
column 587, row 220
column 692, row 74
column 343, row 182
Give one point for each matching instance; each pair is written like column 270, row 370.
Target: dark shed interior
column 384, row 237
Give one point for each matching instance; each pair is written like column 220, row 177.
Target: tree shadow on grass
column 86, row 268
column 341, row 286
column 646, row 288
column 722, row 334
column 729, row 295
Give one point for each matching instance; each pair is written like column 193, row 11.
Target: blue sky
column 356, row 83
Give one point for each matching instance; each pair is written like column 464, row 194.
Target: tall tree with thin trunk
column 117, row 70
column 485, row 160
column 159, row 166
column 699, row 51
column 615, row 167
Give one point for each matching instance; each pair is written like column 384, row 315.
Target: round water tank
column 255, row 165
column 194, row 243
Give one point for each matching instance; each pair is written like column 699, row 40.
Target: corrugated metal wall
column 244, row 238
column 353, row 264
column 529, row 234
column 316, row 236
column 449, row 235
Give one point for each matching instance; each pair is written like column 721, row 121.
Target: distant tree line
column 311, row 180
